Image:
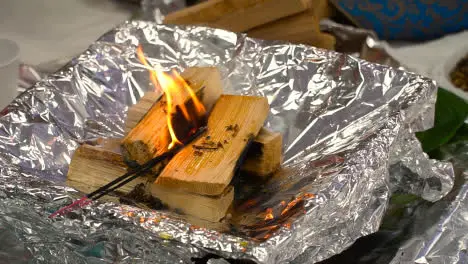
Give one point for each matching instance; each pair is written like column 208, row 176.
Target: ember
column 295, row 201
column 269, row 214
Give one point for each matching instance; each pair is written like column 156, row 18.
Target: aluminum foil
column 442, row 238
column 345, row 122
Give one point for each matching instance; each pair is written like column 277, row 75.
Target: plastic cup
column 9, row 71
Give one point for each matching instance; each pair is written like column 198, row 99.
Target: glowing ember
column 175, row 90
column 295, row 201
column 269, row 214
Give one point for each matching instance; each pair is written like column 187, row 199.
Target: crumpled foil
column 442, row 238
column 344, row 122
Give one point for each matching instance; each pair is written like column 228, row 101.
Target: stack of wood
column 197, row 181
column 296, row 21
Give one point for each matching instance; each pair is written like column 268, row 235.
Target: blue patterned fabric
column 407, row 19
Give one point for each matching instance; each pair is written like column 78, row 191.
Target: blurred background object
column 9, row 62
column 414, row 20
column 436, row 59
column 296, row 21
column 51, row 29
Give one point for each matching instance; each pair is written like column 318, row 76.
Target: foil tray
column 345, row 122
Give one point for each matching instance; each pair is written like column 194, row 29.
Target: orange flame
column 269, row 214
column 177, row 91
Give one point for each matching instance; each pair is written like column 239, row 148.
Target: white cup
column 9, row 71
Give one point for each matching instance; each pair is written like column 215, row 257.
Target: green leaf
column 450, row 114
column 403, row 199
column 461, row 135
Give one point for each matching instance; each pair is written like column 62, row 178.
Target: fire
column 176, row 91
column 269, row 214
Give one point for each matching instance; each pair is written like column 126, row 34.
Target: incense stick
column 124, row 179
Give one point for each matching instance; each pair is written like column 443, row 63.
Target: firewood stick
column 150, row 137
column 207, row 165
column 94, row 166
column 264, row 156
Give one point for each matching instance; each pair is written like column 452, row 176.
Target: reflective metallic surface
column 442, row 239
column 345, row 123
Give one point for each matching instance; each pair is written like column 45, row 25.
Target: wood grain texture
column 209, row 208
column 92, row 167
column 150, row 137
column 269, row 10
column 237, row 16
column 207, row 11
column 209, row 171
column 137, row 111
column 302, row 28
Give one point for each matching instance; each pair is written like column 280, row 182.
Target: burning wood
column 234, row 121
column 155, row 133
column 192, row 178
column 263, row 157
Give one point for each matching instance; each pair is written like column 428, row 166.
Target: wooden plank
column 150, row 137
column 209, row 208
column 267, row 11
column 299, row 29
column 237, row 16
column 320, row 9
column 299, row 23
column 207, row 165
column 207, row 11
column 264, row 156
